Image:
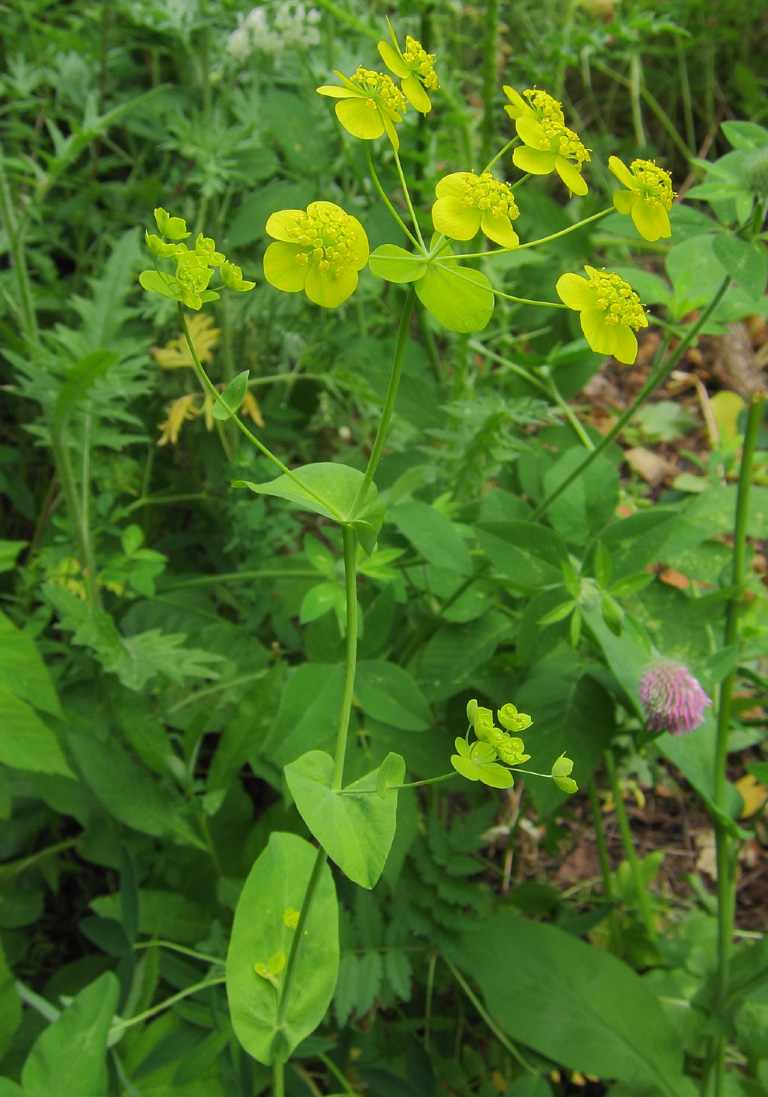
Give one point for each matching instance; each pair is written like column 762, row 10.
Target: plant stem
column 605, row 867
column 389, row 402
column 350, row 583
column 26, row 309
column 497, row 1032
column 407, row 197
column 724, row 845
column 659, row 371
column 488, row 127
column 385, row 199
column 629, row 847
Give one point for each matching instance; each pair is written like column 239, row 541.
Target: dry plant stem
column 724, row 842
column 605, row 867
column 629, row 848
column 659, row 371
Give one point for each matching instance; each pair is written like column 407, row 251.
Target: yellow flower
column 548, row 144
column 648, row 197
column 176, row 413
column 176, row 353
column 415, row 67
column 370, row 104
column 319, row 250
column 467, row 202
column 609, row 310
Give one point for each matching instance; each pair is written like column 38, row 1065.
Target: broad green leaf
column 308, row 714
column 693, row 269
column 432, row 534
column 574, row 1003
column 530, row 555
column 233, row 396
column 745, row 135
column 745, row 261
column 321, row 599
column 23, row 671
column 450, row 659
column 277, row 881
column 10, row 1089
column 389, row 693
column 355, row 831
column 25, row 741
column 163, row 914
column 246, row 729
column 69, row 1057
column 329, row 489
column 395, row 264
column 637, row 541
column 459, row 298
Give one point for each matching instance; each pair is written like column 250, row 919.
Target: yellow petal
column 651, row 224
column 360, row 119
column 597, row 333
column 393, row 60
column 499, row 229
column 328, row 291
column 415, row 94
column 622, row 172
column 451, row 184
column 281, row 269
column 535, row 161
column 623, row 200
column 280, row 224
column 454, row 220
column 626, row 345
column 571, row 175
column 518, row 106
column 575, row 292
column 333, row 91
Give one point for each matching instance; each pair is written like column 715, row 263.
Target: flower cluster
column 610, row 311
column 548, row 144
column 194, row 268
column 371, row 103
column 479, row 760
column 319, row 250
column 672, row 698
column 291, row 27
column 648, row 197
column 467, row 202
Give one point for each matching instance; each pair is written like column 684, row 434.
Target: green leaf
column 745, row 261
column 745, row 135
column 166, row 914
column 459, row 298
column 355, row 831
column 389, row 693
column 589, row 502
column 69, row 1057
column 308, row 715
column 23, row 671
column 25, row 741
column 395, row 264
column 321, row 599
column 79, row 379
column 359, row 985
column 9, row 550
column 432, row 534
column 574, row 1003
column 329, row 489
column 233, row 396
column 529, row 554
column 279, row 880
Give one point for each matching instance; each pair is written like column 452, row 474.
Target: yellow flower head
column 415, row 67
column 467, row 202
column 370, row 104
column 648, row 197
column 609, row 310
column 319, row 250
column 548, row 144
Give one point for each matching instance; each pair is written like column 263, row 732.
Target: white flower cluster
column 262, row 30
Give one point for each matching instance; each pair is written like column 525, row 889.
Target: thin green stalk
column 629, row 847
column 655, row 107
column 389, row 401
column 208, row 385
column 635, row 85
column 407, row 197
column 724, row 844
column 659, row 371
column 526, row 300
column 278, row 1078
column 535, row 243
column 567, row 410
column 121, row 1026
column 72, row 501
column 500, row 153
column 331, row 1066
column 500, row 1035
column 488, row 127
column 350, row 583
column 27, row 317
column 605, row 867
column 385, row 198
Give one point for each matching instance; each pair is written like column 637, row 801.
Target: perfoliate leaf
column 395, row 264
column 459, row 298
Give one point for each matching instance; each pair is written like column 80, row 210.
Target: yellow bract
column 609, row 310
column 548, row 144
column 370, row 104
column 467, row 202
column 414, row 66
column 648, row 197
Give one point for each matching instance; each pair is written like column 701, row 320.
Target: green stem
column 535, row 243
column 629, row 847
column 724, row 845
column 605, row 867
column 567, row 410
column 278, row 1078
column 526, row 300
column 408, row 202
column 396, row 788
column 208, row 385
column 500, row 1035
column 80, row 532
column 389, row 402
column 26, row 309
column 350, row 583
column 386, row 200
column 654, row 105
column 501, row 152
column 659, row 371
column 121, row 1026
column 331, row 1066
column 155, row 943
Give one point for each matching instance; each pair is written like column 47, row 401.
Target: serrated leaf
column 232, row 396
column 25, row 741
column 398, row 970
